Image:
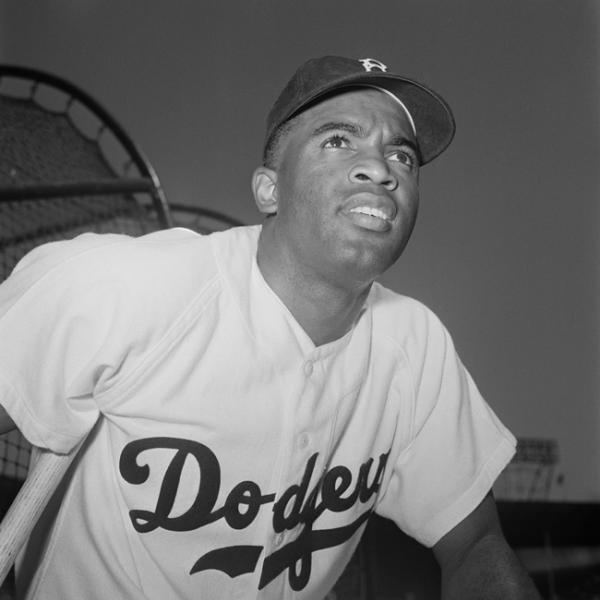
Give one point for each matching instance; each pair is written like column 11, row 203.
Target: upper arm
column 477, row 562
column 6, row 423
column 482, row 522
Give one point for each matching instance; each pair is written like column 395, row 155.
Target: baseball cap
column 431, row 116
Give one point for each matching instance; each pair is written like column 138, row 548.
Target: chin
column 378, row 257
column 365, row 270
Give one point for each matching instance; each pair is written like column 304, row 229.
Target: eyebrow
column 339, row 125
column 400, row 140
column 357, row 130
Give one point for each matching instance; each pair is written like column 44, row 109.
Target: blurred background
column 506, row 248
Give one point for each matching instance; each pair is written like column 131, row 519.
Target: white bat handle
column 21, row 517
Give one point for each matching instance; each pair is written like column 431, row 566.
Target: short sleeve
column 57, row 323
column 458, row 446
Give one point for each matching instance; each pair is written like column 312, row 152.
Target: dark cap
column 430, row 113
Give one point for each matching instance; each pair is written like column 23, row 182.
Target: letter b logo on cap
column 372, row 63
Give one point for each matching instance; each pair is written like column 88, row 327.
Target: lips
column 371, row 211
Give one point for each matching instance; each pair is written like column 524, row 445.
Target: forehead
column 370, row 108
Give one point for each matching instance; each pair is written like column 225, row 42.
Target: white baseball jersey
column 227, row 456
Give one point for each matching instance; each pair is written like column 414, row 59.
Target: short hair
column 273, row 146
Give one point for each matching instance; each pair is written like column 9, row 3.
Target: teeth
column 372, row 212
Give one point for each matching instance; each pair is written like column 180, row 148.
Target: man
column 251, row 397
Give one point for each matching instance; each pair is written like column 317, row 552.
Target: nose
column 373, row 169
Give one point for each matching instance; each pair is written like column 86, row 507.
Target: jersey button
column 303, row 441
column 278, row 539
column 308, row 368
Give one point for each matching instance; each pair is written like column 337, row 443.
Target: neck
column 325, row 309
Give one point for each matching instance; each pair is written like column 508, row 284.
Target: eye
column 404, row 156
column 336, row 141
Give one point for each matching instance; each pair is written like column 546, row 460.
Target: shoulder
column 90, row 247
column 236, row 242
column 166, row 267
column 94, row 257
column 158, row 271
column 402, row 318
column 410, row 327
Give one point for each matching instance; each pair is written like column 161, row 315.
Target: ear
column 264, row 187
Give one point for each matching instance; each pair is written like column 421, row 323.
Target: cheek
column 408, row 201
column 306, row 192
column 414, row 204
column 297, row 209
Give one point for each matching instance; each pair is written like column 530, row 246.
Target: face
column 344, row 191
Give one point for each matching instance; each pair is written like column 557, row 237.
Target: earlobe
column 264, row 187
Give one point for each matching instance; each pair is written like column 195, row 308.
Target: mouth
column 375, row 216
column 371, row 212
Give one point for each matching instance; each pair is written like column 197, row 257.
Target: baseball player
column 249, row 398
